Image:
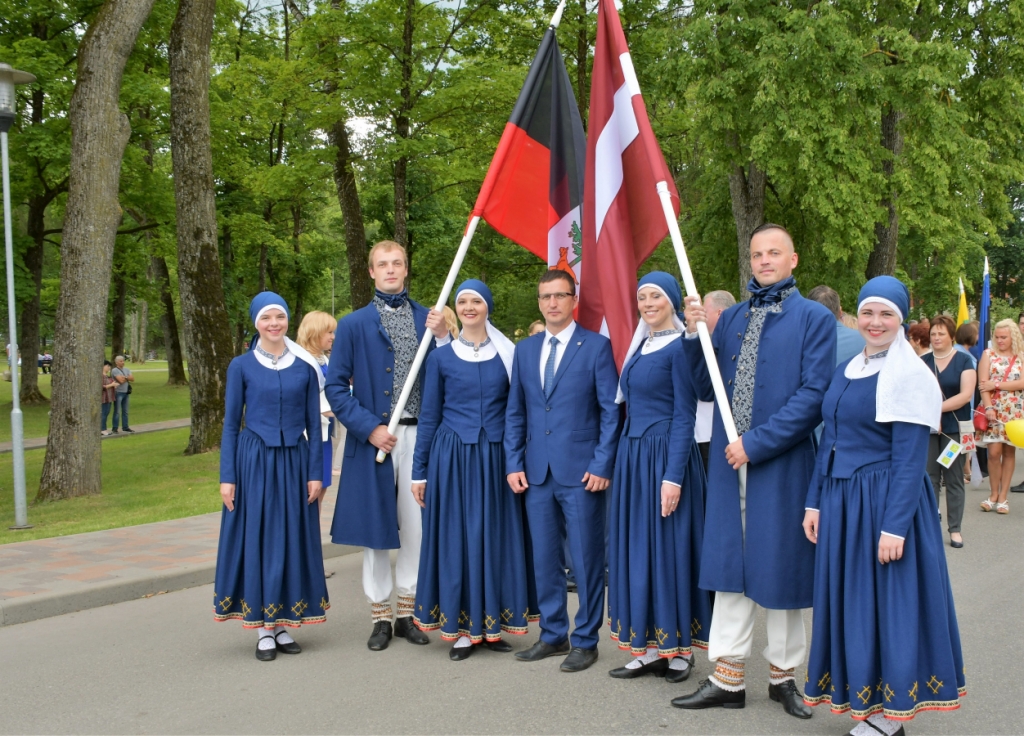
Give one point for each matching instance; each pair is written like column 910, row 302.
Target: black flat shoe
column 675, row 676
column 542, row 649
column 658, row 668
column 955, row 544
column 709, row 695
column 457, row 654
column 498, row 646
column 266, row 655
column 406, row 629
column 791, row 698
column 291, row 647
column 380, row 637
column 579, row 659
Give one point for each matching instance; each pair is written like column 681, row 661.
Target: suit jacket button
column 547, row 408
column 387, row 370
column 547, row 431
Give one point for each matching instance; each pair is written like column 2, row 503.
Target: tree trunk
column 300, row 278
column 142, row 310
column 882, row 261
column 99, row 134
column 402, row 129
column 746, row 188
column 133, row 336
column 117, row 323
column 169, row 323
column 207, row 332
column 360, row 286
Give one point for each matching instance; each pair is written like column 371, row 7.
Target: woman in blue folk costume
column 886, row 643
column 473, row 581
column 270, row 566
column 655, row 609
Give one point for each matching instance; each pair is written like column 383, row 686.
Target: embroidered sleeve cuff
column 894, row 536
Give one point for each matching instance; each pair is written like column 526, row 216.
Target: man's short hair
column 119, row 357
column 386, row 245
column 769, row 226
column 554, row 274
column 721, row 298
column 827, row 296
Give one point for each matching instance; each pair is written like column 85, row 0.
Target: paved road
column 161, row 665
column 38, row 443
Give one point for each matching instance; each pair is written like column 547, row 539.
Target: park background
column 241, row 146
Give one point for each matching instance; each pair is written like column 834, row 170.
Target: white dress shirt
column 563, row 338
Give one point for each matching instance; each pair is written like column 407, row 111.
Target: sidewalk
column 50, row 577
column 38, row 443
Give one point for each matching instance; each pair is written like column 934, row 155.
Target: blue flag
column 978, row 349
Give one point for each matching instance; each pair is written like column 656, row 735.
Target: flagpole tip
column 557, row 17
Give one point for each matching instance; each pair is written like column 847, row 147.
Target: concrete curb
column 44, row 605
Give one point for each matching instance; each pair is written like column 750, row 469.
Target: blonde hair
column 386, row 245
column 451, row 322
column 1016, row 338
column 314, row 326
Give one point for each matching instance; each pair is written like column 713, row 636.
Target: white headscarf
column 907, row 391
column 293, row 347
column 505, row 347
column 643, row 330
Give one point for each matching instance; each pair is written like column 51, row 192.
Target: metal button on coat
column 730, row 381
column 547, row 431
column 387, row 370
column 387, row 393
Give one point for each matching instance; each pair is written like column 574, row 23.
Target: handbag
column 129, row 388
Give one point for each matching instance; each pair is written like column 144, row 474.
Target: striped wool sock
column 405, row 605
column 381, row 611
column 778, row 676
column 728, row 674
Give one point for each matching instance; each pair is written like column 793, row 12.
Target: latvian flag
column 534, row 187
column 623, row 220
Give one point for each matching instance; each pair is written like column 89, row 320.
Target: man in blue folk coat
column 776, row 354
column 373, row 352
column 561, row 429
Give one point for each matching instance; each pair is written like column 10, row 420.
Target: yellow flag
column 962, row 314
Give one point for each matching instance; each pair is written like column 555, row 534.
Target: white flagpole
column 442, row 299
column 702, row 329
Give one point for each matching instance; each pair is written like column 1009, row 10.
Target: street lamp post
column 8, row 79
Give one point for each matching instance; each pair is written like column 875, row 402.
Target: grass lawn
column 152, row 401
column 145, row 478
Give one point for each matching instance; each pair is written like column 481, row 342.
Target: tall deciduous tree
column 207, row 332
column 99, row 134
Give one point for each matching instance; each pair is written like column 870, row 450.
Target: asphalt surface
column 161, row 665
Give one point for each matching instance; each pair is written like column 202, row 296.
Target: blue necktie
column 549, row 368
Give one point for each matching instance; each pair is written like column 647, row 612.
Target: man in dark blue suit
column 373, row 352
column 561, row 429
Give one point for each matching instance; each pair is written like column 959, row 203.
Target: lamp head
column 10, row 77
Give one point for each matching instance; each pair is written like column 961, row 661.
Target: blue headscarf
column 887, row 290
column 668, row 285
column 266, row 300
column 479, row 288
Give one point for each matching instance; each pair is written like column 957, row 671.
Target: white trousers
column 732, row 623
column 732, row 632
column 377, row 579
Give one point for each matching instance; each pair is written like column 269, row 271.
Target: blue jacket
column 279, row 406
column 848, row 342
column 366, row 514
column 575, row 431
column 773, row 563
column 658, row 389
column 467, row 398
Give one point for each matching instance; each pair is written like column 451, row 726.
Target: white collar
column 564, row 336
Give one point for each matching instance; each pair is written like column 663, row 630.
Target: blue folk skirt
column 654, row 562
column 885, row 636
column 473, row 577
column 270, row 565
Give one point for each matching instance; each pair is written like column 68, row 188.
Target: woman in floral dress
column 1002, row 394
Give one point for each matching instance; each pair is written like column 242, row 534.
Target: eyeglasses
column 556, row 296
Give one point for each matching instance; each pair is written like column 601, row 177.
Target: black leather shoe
column 457, row 654
column 955, row 544
column 709, row 695
column 658, row 668
column 266, row 655
column 579, row 659
column 380, row 637
column 291, row 647
column 406, row 629
column 791, row 698
column 1019, row 488
column 675, row 676
column 498, row 646
column 542, row 649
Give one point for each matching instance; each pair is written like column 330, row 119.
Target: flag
column 623, row 220
column 962, row 314
column 986, row 299
column 533, row 191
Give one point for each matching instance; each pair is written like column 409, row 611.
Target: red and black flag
column 534, row 188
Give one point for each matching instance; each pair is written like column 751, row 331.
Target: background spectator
column 316, row 335
column 919, row 336
column 848, row 340
column 967, row 338
column 715, row 302
column 108, row 390
column 957, row 379
column 999, row 374
column 124, row 379
column 536, row 327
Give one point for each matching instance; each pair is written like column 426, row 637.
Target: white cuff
column 689, row 335
column 677, row 485
column 418, row 481
column 808, row 508
column 439, row 341
column 894, row 536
